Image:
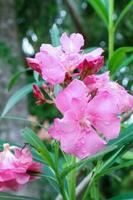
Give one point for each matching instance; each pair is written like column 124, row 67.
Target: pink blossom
column 76, row 89
column 53, row 63
column 83, row 122
column 16, row 168
column 101, row 83
column 95, row 82
column 91, row 62
column 72, row 44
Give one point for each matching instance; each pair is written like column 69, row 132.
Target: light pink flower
column 16, row 169
column 121, row 97
column 53, row 63
column 76, row 89
column 72, row 44
column 83, row 122
column 91, row 62
column 100, row 83
column 95, row 82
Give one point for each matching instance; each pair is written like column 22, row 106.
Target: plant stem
column 85, row 197
column 72, row 181
column 111, row 30
column 95, row 190
column 61, row 187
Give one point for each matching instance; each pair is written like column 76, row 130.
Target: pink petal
column 76, row 89
column 73, row 43
column 34, row 64
column 52, row 70
column 94, row 82
column 102, row 113
column 74, row 138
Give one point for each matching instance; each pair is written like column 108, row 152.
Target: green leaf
column 120, row 166
column 127, row 61
column 123, row 13
column 5, row 196
column 101, row 10
column 34, row 141
column 14, row 79
column 17, row 96
column 125, row 137
column 55, row 35
column 97, row 156
column 117, row 58
column 128, row 155
column 127, row 196
column 110, row 161
column 36, row 76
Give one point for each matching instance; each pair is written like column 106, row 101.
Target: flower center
column 84, row 122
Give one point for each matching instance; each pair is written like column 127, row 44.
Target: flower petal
column 76, row 89
column 102, row 113
column 73, row 43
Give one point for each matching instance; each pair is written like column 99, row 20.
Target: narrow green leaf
column 98, row 155
column 14, row 79
column 128, row 155
column 127, row 196
column 110, row 161
column 127, row 61
column 34, row 141
column 5, row 196
column 17, row 96
column 36, row 76
column 55, row 35
column 125, row 137
column 123, row 13
column 117, row 58
column 101, row 9
column 120, row 166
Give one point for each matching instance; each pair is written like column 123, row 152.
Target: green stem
column 85, row 197
column 111, row 30
column 72, row 181
column 61, row 186
column 95, row 190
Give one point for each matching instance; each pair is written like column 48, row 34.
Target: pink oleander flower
column 100, row 83
column 53, row 63
column 85, row 119
column 76, row 89
column 16, row 167
column 91, row 62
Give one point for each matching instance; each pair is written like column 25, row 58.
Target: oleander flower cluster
column 91, row 104
column 16, row 167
